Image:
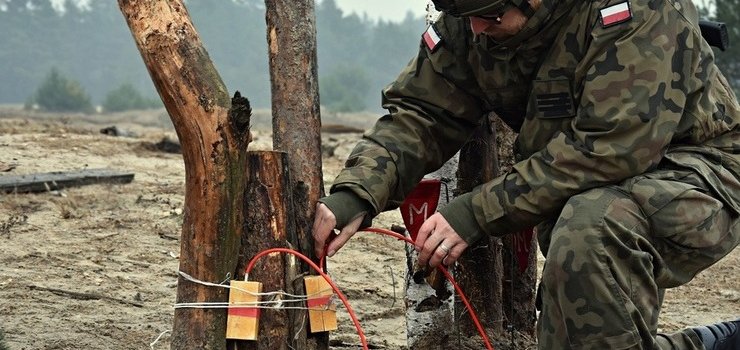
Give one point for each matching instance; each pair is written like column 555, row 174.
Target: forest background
column 92, row 45
column 89, row 44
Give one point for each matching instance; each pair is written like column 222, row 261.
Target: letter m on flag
column 420, row 204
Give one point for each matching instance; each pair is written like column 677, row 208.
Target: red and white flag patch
column 616, row 14
column 432, row 38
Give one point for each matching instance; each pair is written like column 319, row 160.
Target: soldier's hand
column 437, row 242
column 326, row 241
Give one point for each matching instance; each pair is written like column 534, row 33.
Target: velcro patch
column 555, row 105
column 616, row 14
column 553, row 98
column 432, row 38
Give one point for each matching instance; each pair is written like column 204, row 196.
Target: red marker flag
column 522, row 245
column 420, row 204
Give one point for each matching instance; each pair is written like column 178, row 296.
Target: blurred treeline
column 90, row 53
column 93, row 48
column 727, row 11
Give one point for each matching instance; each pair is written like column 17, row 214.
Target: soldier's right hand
column 326, row 241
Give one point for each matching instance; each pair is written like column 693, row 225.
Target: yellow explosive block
column 322, row 313
column 244, row 314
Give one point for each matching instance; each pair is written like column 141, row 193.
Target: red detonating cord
column 324, row 275
column 449, row 277
column 353, row 316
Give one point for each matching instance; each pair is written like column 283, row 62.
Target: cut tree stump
column 268, row 224
column 43, row 182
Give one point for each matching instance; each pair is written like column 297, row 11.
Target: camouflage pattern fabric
column 596, row 107
column 613, row 249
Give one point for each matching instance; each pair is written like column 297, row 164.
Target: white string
column 278, row 293
column 276, row 301
column 212, row 306
column 252, row 304
column 151, row 345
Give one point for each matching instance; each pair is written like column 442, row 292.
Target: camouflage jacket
column 595, row 103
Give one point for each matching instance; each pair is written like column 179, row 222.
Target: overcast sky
column 393, row 10
column 390, row 10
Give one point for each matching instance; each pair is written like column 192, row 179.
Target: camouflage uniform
column 629, row 157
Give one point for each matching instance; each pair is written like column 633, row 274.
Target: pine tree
column 60, row 94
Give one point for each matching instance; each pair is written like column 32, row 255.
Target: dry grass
column 13, row 220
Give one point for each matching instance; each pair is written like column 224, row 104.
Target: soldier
column 628, row 149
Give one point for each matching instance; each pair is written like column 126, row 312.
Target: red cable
column 473, row 315
column 449, row 277
column 326, row 277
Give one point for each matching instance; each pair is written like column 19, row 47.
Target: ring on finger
column 444, row 248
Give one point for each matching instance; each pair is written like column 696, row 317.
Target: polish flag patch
column 616, row 14
column 432, row 38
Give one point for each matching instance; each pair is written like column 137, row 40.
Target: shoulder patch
column 616, row 14
column 432, row 38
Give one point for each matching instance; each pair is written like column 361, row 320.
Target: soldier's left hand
column 437, row 242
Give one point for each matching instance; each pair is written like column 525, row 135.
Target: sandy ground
column 95, row 267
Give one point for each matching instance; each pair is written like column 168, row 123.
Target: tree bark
column 502, row 296
column 480, row 270
column 291, row 38
column 214, row 134
column 519, row 288
column 269, row 225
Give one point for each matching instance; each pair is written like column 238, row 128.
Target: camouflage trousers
column 614, row 250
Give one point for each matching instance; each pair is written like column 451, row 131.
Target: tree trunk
column 502, row 296
column 519, row 286
column 269, row 225
column 480, row 270
column 214, row 132
column 519, row 291
column 291, row 38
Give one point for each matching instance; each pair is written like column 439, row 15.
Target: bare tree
column 214, row 133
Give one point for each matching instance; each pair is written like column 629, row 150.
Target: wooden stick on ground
column 43, row 182
column 84, row 296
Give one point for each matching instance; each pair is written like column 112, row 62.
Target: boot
column 720, row 336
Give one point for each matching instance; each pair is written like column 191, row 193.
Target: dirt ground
column 95, row 267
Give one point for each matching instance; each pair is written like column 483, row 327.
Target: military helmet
column 465, row 8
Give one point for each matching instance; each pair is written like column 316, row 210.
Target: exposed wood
column 480, row 269
column 291, row 28
column 291, row 39
column 214, row 132
column 340, row 129
column 322, row 313
column 244, row 320
column 84, row 296
column 520, row 291
column 268, row 206
column 57, row 180
column 485, row 271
